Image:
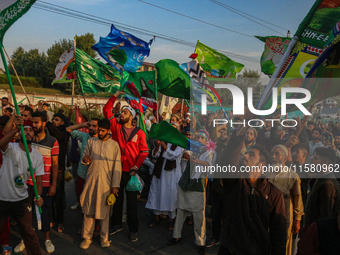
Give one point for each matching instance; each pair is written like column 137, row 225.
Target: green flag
column 315, row 27
column 323, row 78
column 274, row 48
column 312, row 35
column 141, row 85
column 216, row 64
column 94, row 76
column 167, row 133
column 172, row 80
column 11, row 11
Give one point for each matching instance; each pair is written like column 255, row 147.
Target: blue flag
column 122, row 50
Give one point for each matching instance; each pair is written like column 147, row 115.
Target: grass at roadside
column 30, row 90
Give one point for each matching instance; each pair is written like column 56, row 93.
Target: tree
column 249, row 78
column 31, row 63
column 85, row 43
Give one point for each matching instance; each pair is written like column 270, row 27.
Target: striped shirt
column 47, row 147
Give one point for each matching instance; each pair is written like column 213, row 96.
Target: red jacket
column 135, row 150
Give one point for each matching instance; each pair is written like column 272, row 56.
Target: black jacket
column 254, row 221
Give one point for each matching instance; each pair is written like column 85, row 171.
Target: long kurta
column 163, row 191
column 104, row 172
column 194, row 201
column 289, row 183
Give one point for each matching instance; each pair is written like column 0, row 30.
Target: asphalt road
column 151, row 241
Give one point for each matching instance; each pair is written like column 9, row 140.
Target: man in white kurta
column 102, row 154
column 162, row 197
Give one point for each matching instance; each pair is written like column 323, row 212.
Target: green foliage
column 42, row 66
column 85, row 42
column 30, row 63
column 26, row 81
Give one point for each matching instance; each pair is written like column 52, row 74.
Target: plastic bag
column 111, row 199
column 135, row 183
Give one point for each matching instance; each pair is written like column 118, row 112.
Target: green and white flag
column 11, row 11
column 274, row 48
column 94, row 76
column 216, row 64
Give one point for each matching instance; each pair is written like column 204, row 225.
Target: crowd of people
column 254, row 213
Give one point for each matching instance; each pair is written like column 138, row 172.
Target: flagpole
column 293, row 42
column 72, row 105
column 193, row 114
column 74, row 57
column 87, row 109
column 15, row 71
column 21, row 127
column 274, row 78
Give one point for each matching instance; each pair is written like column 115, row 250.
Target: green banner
column 323, row 79
column 167, row 133
column 315, row 28
column 11, row 11
column 141, row 85
column 216, row 64
column 172, row 80
column 274, row 48
column 94, row 76
column 313, row 34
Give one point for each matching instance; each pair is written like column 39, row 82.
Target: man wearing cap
column 289, row 183
column 174, row 118
column 14, row 199
column 134, row 150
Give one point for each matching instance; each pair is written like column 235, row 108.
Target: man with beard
column 4, row 104
column 57, row 129
column 27, row 113
column 253, row 209
column 48, row 147
column 289, row 183
column 14, row 198
column 134, row 150
column 299, row 157
column 83, row 138
column 249, row 139
column 102, row 155
column 315, row 142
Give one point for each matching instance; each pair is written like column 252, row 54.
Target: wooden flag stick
column 16, row 74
